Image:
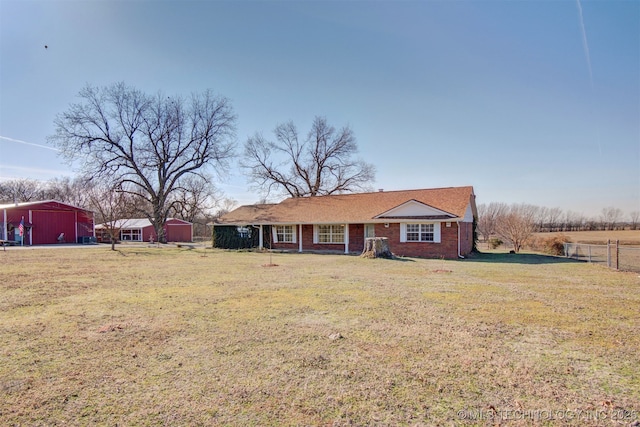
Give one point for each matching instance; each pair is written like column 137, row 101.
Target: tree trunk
column 376, row 247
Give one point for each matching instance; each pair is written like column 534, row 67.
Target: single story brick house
column 428, row 223
column 45, row 222
column 141, row 230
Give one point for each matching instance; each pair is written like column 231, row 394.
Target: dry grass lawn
column 160, row 336
column 626, row 237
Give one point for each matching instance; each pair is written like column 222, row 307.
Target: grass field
column 159, row 336
column 626, row 237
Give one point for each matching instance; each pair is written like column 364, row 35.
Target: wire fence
column 613, row 255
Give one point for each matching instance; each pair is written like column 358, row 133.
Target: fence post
column 617, row 254
column 589, row 253
column 609, row 253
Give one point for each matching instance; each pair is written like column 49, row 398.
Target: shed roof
column 40, row 202
column 350, row 208
column 135, row 223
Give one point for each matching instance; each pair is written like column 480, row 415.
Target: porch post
column 346, row 238
column 260, row 239
column 300, row 238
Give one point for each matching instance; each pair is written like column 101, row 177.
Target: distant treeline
column 545, row 219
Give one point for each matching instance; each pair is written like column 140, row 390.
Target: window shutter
column 436, row 232
column 274, row 231
column 294, row 228
column 315, row 234
column 403, row 233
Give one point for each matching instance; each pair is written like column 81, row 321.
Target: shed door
column 47, row 226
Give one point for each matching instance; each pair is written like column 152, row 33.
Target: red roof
column 452, row 202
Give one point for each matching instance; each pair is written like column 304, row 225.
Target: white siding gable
column 412, row 209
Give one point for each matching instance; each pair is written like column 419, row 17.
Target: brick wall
column 447, row 248
column 466, row 238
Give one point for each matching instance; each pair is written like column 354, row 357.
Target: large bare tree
column 322, row 163
column 517, row 223
column 144, row 143
column 194, row 198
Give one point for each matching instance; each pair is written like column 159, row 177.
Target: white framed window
column 284, row 233
column 369, row 230
column 244, row 232
column 134, row 235
column 420, row 232
column 328, row 233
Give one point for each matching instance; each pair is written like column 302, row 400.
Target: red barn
column 45, row 222
column 141, row 230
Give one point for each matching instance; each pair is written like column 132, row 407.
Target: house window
column 134, row 235
column 369, row 230
column 244, row 232
column 333, row 233
column 284, row 234
column 420, row 232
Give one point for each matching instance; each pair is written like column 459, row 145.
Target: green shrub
column 228, row 237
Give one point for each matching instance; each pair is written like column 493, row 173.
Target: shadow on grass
column 518, row 258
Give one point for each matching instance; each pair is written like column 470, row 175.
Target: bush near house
column 233, row 237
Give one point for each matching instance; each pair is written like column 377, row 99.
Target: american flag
column 21, row 227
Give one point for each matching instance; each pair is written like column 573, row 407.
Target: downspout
column 459, row 254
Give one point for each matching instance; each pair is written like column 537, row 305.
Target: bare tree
column 553, row 218
column 21, row 190
column 570, row 221
column 610, row 217
column 321, row 164
column 635, row 218
column 194, row 197
column 113, row 207
column 224, row 206
column 146, row 144
column 516, row 224
column 488, row 216
column 69, row 190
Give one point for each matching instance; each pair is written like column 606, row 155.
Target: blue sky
column 535, row 102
